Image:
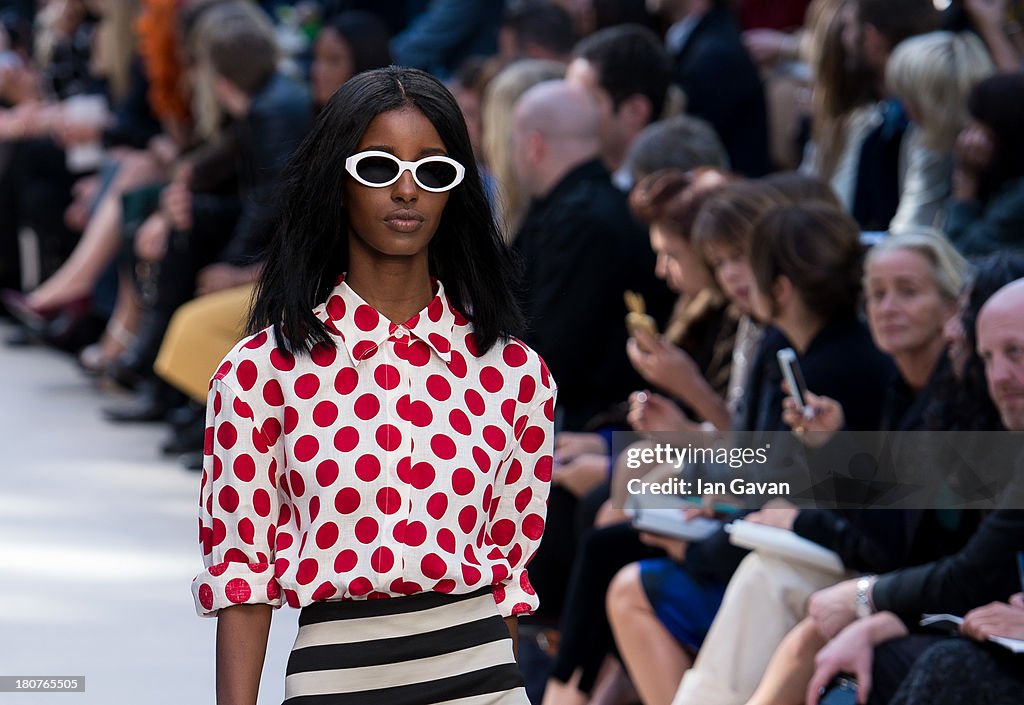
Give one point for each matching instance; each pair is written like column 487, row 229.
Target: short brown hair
column 815, row 246
column 672, row 198
column 240, row 44
column 798, row 187
column 729, row 215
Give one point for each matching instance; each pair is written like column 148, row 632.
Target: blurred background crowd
column 843, row 177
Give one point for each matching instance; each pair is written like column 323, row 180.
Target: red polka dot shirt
column 399, row 462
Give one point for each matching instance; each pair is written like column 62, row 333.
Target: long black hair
column 367, row 36
column 309, row 248
column 998, row 103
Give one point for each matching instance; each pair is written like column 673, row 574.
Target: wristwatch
column 864, row 606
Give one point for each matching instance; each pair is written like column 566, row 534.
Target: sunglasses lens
column 436, row 174
column 377, row 170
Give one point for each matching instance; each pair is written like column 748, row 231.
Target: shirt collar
column 363, row 329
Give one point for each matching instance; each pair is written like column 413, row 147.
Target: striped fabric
column 425, row 649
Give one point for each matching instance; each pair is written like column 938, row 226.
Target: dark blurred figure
column 349, row 43
column 536, row 29
column 447, row 32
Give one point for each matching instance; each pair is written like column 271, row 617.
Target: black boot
column 155, row 399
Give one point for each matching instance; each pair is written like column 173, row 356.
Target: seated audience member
column 440, row 38
column 911, row 285
column 627, row 73
column 681, row 142
column 987, row 210
column 984, row 571
column 271, row 115
column 536, row 29
column 719, row 78
column 349, row 43
column 931, row 75
column 581, row 249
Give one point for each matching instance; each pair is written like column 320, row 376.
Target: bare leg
column 99, row 243
column 655, row 660
column 613, row 685
column 558, row 693
column 791, row 667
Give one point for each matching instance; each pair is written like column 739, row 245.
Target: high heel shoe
column 36, row 319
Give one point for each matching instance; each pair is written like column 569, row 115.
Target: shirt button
column 401, row 332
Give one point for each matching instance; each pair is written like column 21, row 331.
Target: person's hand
column 653, row 413
column 852, row 651
column 70, row 134
column 164, row 150
column 582, row 474
column 986, row 13
column 176, row 203
column 76, row 216
column 996, row 619
column 663, row 364
column 975, row 149
column 776, row 512
column 675, row 548
column 151, row 239
column 766, row 46
column 569, row 444
column 833, row 608
column 815, row 429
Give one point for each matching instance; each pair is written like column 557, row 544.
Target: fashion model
column 379, row 451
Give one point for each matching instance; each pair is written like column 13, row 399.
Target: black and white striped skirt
column 424, row 649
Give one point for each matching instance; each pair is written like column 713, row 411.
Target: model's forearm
column 242, row 633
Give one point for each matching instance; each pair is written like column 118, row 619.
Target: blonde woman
column 932, row 75
column 501, row 94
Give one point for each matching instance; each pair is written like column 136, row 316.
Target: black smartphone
column 794, row 377
column 841, row 691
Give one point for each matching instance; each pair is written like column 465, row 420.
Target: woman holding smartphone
column 381, row 434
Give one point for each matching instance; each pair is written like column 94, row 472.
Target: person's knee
column 626, row 592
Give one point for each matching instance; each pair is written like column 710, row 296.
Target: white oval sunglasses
column 378, row 169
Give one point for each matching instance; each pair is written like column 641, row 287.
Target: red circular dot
column 238, row 590
column 491, row 379
column 314, row 508
column 346, row 381
column 228, row 498
column 514, row 355
column 364, row 349
column 271, row 430
column 438, row 387
column 366, row 530
column 336, row 307
column 533, row 439
column 386, row 376
column 323, row 354
column 443, row 446
column 439, row 342
column 471, row 345
column 533, row 526
column 515, row 471
column 327, row 473
column 474, row 402
column 227, row 434
column 419, row 414
column 467, row 520
column 291, row 419
column 346, row 439
column 457, row 365
column 325, row 591
column 325, row 413
column 284, row 541
column 437, row 505
column 272, row 393
column 421, row 475
column 508, row 410
column 523, row 499
column 368, row 468
column 307, row 386
column 282, row 360
column 527, row 388
column 415, row 533
column 470, row 575
column 206, row 596
column 463, row 481
column 360, row 586
column 542, row 470
column 327, row 535
column 435, row 308
column 347, row 500
column 306, row 448
column 382, row 559
column 388, row 437
column 459, row 422
column 483, row 461
column 297, row 483
column 366, row 318
column 503, row 531
column 367, row 406
column 446, row 540
column 257, row 341
column 307, row 571
column 494, row 437
column 388, row 500
column 273, row 591
column 433, row 566
column 247, row 531
column 244, row 467
column 247, row 374
column 446, row 586
column 345, row 561
column 261, row 502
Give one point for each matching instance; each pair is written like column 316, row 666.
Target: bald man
column 581, row 250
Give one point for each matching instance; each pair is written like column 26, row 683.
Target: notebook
column 784, row 544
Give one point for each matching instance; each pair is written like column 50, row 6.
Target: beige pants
column 201, row 333
column 765, row 599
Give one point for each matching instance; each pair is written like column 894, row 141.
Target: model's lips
column 405, row 221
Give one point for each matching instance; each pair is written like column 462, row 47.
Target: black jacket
column 723, row 86
column 581, row 250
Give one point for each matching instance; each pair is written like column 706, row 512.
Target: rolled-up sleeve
column 517, row 524
column 239, row 506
